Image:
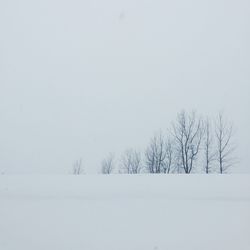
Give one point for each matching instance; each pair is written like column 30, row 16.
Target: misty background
column 80, row 79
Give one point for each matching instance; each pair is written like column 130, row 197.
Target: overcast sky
column 85, row 78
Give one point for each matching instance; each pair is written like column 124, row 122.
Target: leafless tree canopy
column 208, row 146
column 158, row 155
column 225, row 149
column 191, row 144
column 108, row 164
column 77, row 167
column 167, row 166
column 131, row 162
column 188, row 133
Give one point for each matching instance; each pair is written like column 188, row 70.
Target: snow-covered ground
column 121, row 212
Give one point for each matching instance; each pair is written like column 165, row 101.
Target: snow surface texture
column 116, row 212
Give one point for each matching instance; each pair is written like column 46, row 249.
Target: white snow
column 125, row 212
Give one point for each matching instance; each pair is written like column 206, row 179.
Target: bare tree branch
column 208, row 146
column 131, row 162
column 108, row 164
column 167, row 167
column 156, row 154
column 225, row 149
column 188, row 133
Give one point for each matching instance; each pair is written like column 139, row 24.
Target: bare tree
column 208, row 146
column 131, row 162
column 77, row 167
column 108, row 164
column 188, row 133
column 225, row 149
column 156, row 154
column 167, row 166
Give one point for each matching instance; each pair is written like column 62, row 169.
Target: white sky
column 84, row 78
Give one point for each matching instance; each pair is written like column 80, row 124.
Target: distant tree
column 169, row 147
column 131, row 162
column 156, row 154
column 208, row 146
column 187, row 132
column 225, row 147
column 108, row 164
column 77, row 167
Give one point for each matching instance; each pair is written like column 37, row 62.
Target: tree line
column 192, row 144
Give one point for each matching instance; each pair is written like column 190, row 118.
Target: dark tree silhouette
column 188, row 133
